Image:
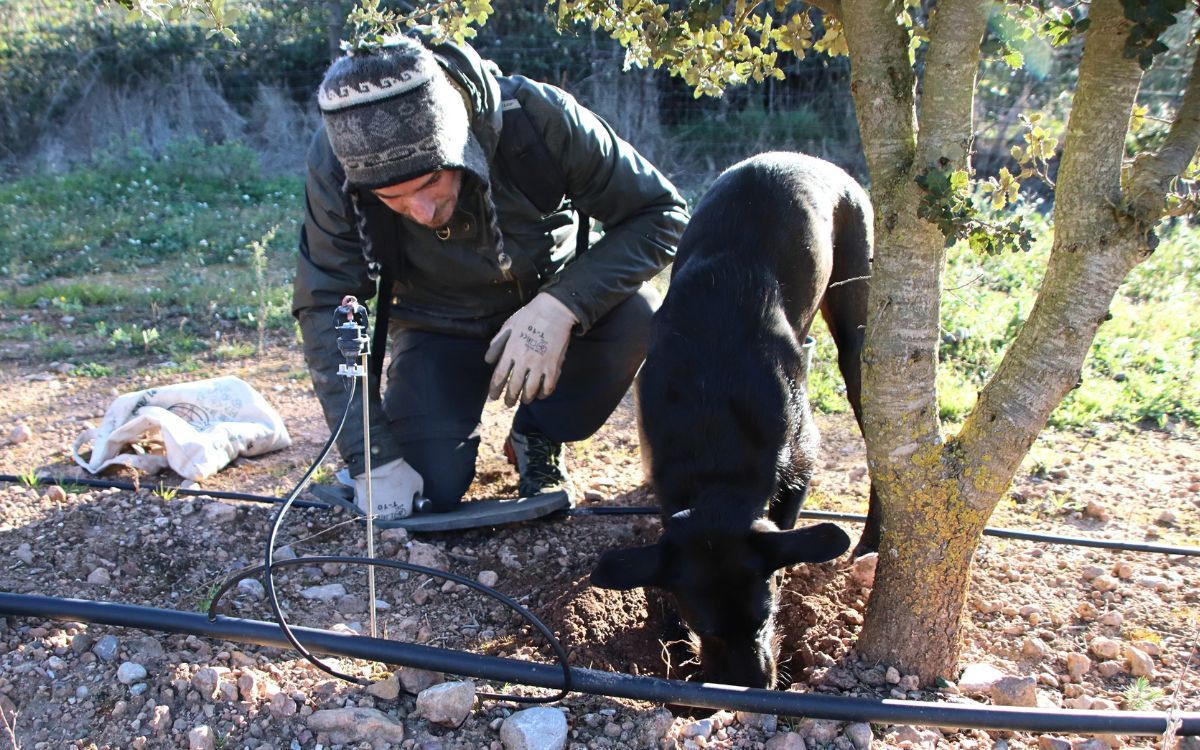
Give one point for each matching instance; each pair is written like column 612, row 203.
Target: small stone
column 1035, row 648
column 284, row 553
column 702, row 728
column 326, row 593
column 106, row 647
column 207, row 681
column 904, row 733
column 539, row 728
column 656, row 726
column 201, row 738
column 488, row 578
column 820, row 731
column 130, row 672
column 1110, row 668
column 785, row 741
column 24, row 553
column 415, row 680
column 1015, row 691
column 1112, row 619
column 447, row 704
column 769, row 723
column 282, row 705
column 253, row 588
column 1123, row 570
column 1166, row 518
column 1049, row 742
column 860, row 735
column 56, row 494
column 388, row 690
column 160, row 719
column 1093, row 743
column 1078, row 665
column 1105, row 648
column 19, row 434
column 862, row 570
column 892, row 676
column 99, row 577
column 1096, row 510
column 397, row 535
column 218, row 512
column 1105, row 583
column 420, row 553
column 350, row 725
column 977, row 679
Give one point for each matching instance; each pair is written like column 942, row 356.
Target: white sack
column 202, row 427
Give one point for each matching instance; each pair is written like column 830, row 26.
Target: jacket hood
column 476, row 80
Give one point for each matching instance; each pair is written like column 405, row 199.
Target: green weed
column 91, row 370
column 1140, row 695
column 30, row 479
column 165, row 493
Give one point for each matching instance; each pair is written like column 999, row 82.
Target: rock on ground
column 347, row 725
column 539, row 728
column 447, row 704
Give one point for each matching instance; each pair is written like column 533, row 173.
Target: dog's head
column 723, row 583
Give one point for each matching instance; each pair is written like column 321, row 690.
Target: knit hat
column 392, row 114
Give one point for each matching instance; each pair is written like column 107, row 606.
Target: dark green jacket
column 455, row 284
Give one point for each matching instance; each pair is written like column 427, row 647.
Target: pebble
column 447, row 704
column 1105, row 583
column 862, row 570
column 130, row 672
column 99, row 577
column 19, row 434
column 1035, row 648
column 201, row 738
column 1015, row 691
column 253, row 588
column 388, row 690
column 282, row 705
column 106, row 647
column 785, row 741
column 702, row 728
column 284, row 553
column 1049, row 742
column 1112, row 619
column 978, row 679
column 415, row 680
column 24, row 553
column 1105, row 648
column 1078, row 665
column 860, row 735
column 56, row 494
column 539, row 728
column 428, row 555
column 351, row 725
column 218, row 512
column 488, row 578
column 326, row 593
column 769, row 723
column 1096, row 510
column 820, row 731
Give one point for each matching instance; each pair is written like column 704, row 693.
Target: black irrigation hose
column 507, row 601
column 618, row 510
column 611, row 684
column 113, row 484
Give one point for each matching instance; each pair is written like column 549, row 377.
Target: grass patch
column 1143, row 365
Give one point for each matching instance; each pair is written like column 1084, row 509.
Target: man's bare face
column 428, row 200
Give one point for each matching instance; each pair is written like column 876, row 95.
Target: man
column 422, row 167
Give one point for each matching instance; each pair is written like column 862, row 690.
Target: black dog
column 724, row 403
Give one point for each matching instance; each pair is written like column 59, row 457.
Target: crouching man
column 459, row 188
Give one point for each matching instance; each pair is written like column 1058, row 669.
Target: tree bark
column 915, row 613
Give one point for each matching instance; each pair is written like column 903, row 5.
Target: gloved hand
column 394, row 488
column 529, row 350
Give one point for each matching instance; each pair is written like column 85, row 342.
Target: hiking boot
column 539, row 462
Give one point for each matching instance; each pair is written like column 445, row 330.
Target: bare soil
column 1031, row 606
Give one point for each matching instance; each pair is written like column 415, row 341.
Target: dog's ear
column 811, row 544
column 631, row 568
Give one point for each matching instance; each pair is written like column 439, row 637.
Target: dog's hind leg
column 844, row 308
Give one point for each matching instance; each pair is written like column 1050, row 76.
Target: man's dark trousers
column 437, row 386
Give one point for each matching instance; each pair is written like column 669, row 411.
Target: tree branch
column 948, row 87
column 828, row 7
column 1152, row 173
column 1093, row 253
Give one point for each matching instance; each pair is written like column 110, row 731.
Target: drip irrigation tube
column 617, row 510
column 611, row 684
column 112, row 484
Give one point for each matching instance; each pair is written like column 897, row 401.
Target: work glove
column 395, row 486
column 529, row 350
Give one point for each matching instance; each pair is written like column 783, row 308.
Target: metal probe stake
column 351, row 322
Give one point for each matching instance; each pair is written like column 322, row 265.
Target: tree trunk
column 938, row 496
column 337, row 23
